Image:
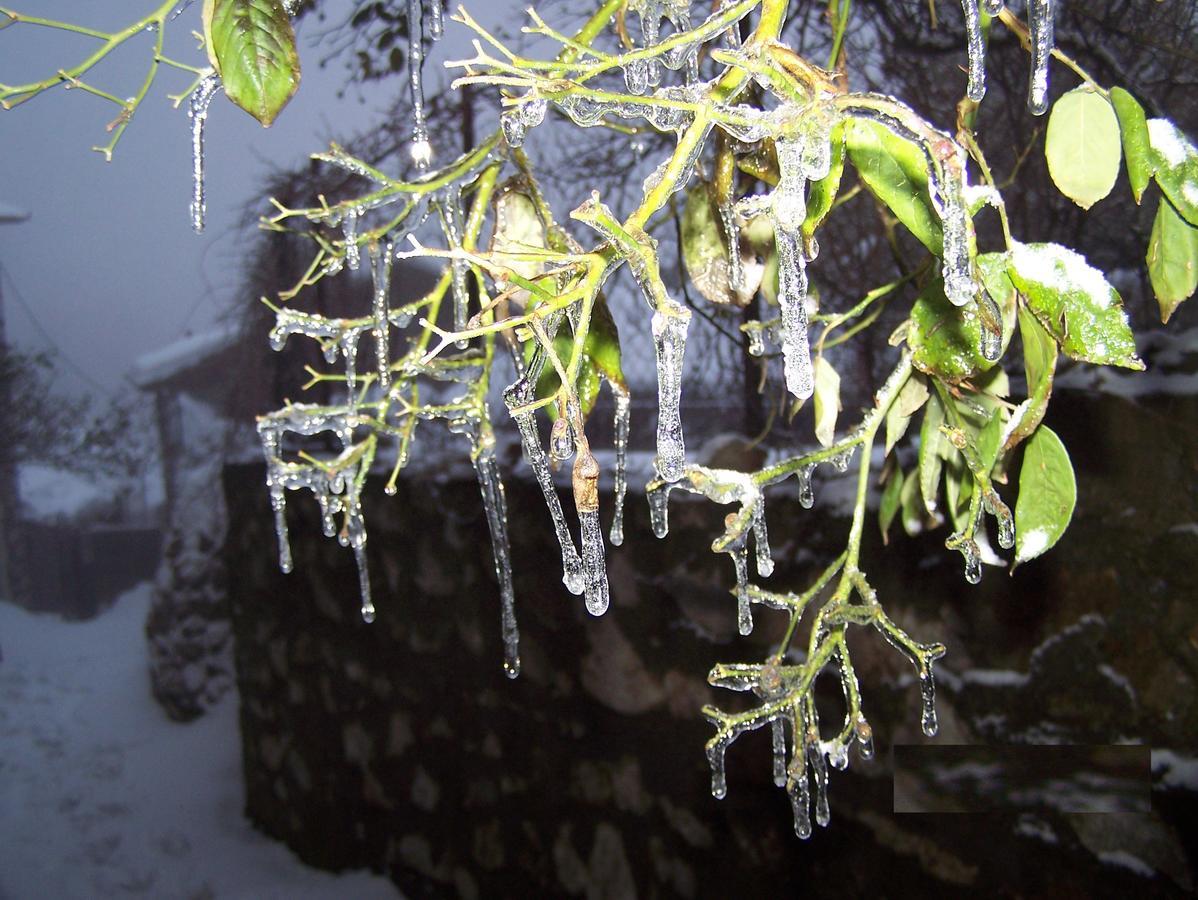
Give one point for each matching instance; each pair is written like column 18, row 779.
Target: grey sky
column 108, row 261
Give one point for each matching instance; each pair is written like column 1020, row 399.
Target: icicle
column 1006, row 525
column 778, row 727
column 797, row 788
column 789, row 208
column 451, row 221
column 765, row 562
column 349, row 227
column 840, row 462
column 278, row 502
column 973, row 561
column 1040, row 22
column 977, row 50
column 495, row 505
column 422, row 151
column 368, row 611
column 865, row 738
column 659, row 509
column 436, row 20
column 586, row 500
column 380, row 268
column 349, row 349
column 744, row 609
column 594, row 567
column 669, row 338
column 946, row 187
column 819, row 774
column 806, row 494
column 623, row 404
column 927, row 697
column 715, row 758
column 993, row 7
column 197, row 111
column 571, row 562
column 736, row 272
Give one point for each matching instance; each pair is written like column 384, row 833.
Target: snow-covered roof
column 158, row 365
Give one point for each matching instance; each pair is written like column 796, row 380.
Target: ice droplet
column 659, row 509
column 623, row 406
column 669, row 338
column 778, row 728
column 535, row 455
column 865, row 738
column 636, row 76
column 1041, row 23
column 973, row 561
column 799, row 791
column 197, row 112
column 977, row 50
column 806, row 494
column 993, row 7
column 561, row 440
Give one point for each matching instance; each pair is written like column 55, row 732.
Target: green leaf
column 1075, row 302
column 989, row 441
column 252, row 47
column 1047, row 494
column 1172, row 259
column 896, row 171
column 1039, row 365
column 958, row 489
column 1137, row 150
column 931, row 454
column 822, row 194
column 1176, row 163
column 827, row 400
column 891, row 501
column 1082, row 146
column 600, row 357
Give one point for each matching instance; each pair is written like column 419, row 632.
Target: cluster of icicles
column 1040, row 15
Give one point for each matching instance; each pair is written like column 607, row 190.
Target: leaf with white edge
column 1137, row 149
column 911, row 397
column 1172, row 259
column 896, row 171
column 931, row 454
column 1039, row 364
column 1075, row 302
column 1047, row 495
column 1082, row 146
column 1176, row 162
column 827, row 401
column 251, row 45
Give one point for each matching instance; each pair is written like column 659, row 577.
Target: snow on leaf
column 1176, row 161
column 1047, row 495
column 1075, row 302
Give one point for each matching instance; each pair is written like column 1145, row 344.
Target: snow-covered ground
column 102, row 796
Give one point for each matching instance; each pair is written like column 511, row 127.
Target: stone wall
column 401, row 746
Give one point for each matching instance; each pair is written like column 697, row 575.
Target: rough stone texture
column 401, row 746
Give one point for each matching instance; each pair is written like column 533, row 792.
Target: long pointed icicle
column 789, row 205
column 977, row 50
column 197, row 111
column 535, row 454
column 1041, row 24
column 491, row 487
column 422, row 151
column 623, row 404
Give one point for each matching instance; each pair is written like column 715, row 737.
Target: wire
column 46, row 336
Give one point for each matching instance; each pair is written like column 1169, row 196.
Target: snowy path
column 102, row 796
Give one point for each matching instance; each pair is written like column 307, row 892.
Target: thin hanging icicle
column 451, row 221
column 789, row 208
column 799, row 791
column 571, row 562
column 736, row 269
column 623, row 405
column 765, row 562
column 380, row 269
column 946, row 188
column 436, row 20
column 927, row 698
column 778, row 727
column 977, row 50
column 669, row 339
column 197, row 111
column 422, row 151
column 715, row 758
column 819, row 774
column 1041, row 24
column 659, row 509
column 744, row 609
column 491, row 487
column 349, row 228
